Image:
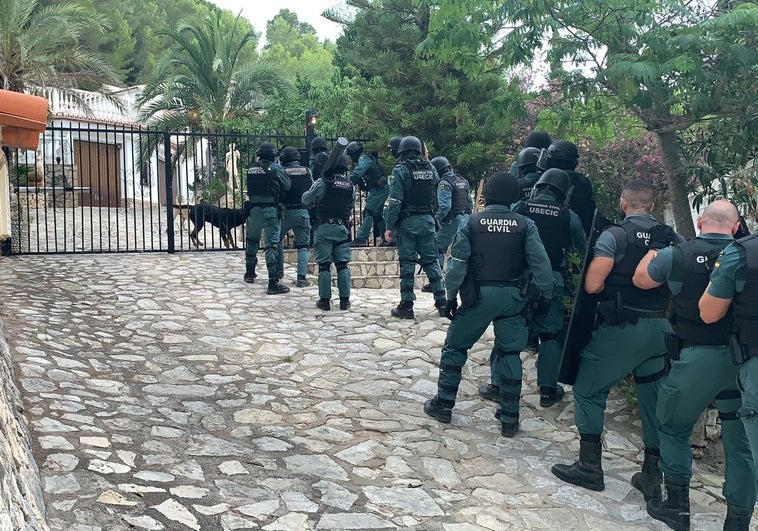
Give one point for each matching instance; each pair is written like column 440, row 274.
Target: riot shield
column 582, row 318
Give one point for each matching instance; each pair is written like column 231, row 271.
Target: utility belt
column 515, row 283
column 263, row 205
column 614, row 313
column 415, row 212
column 294, row 206
column 741, row 352
column 332, row 221
column 675, row 344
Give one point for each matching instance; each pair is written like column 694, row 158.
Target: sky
column 259, row 12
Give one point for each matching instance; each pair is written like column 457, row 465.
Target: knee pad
column 430, row 263
column 324, row 266
column 497, row 353
column 411, row 263
column 274, row 247
column 341, row 266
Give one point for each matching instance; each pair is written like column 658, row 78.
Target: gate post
column 168, row 166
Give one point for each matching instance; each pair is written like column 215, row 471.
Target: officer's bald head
column 719, row 217
column 637, row 196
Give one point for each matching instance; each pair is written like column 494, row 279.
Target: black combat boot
column 675, row 510
column 737, row 519
column 344, row 303
column 301, row 282
column 490, row 392
column 276, row 288
column 587, row 472
column 648, row 482
column 404, row 310
column 323, row 304
column 440, row 304
column 249, row 274
column 550, row 395
column 427, row 288
column 439, row 409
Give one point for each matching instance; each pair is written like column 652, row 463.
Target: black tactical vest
column 582, row 200
column 301, row 182
column 337, row 202
column 498, row 241
column 421, row 192
column 553, row 221
column 317, row 163
column 745, row 308
column 459, row 198
column 692, row 264
column 263, row 182
column 526, row 184
column 634, row 237
column 370, row 179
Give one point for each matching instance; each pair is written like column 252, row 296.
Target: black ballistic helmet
column 501, row 189
column 556, row 179
column 266, row 151
column 440, row 164
column 538, row 139
column 394, row 144
column 319, row 143
column 342, row 164
column 354, row 150
column 289, row 154
column 528, row 157
column 410, row 143
column 563, row 150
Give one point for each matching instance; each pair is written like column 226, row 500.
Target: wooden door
column 100, row 171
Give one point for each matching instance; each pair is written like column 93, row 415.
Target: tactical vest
column 745, row 307
column 635, row 238
column 582, row 199
column 301, row 182
column 317, row 163
column 459, row 198
column 370, row 179
column 526, row 184
column 421, row 192
column 692, row 264
column 337, row 202
column 553, row 220
column 263, row 182
column 498, row 241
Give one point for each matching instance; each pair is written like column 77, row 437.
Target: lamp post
column 310, row 127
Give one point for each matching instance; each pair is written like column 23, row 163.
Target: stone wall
column 21, row 503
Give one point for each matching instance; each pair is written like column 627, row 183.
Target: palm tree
column 39, row 47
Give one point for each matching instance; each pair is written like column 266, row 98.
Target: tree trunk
column 677, row 181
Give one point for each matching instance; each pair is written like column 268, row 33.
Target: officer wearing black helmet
column 454, row 204
column 319, row 156
column 488, row 260
column 410, row 220
column 333, row 197
column 266, row 183
column 560, row 231
column 527, row 171
column 295, row 216
column 393, row 145
column 370, row 177
column 564, row 155
column 536, row 139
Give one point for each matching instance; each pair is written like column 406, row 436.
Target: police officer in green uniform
column 701, row 371
column 393, row 145
column 266, row 182
column 333, row 197
column 410, row 220
column 528, row 172
column 369, row 176
column 295, row 216
column 536, row 139
column 629, row 338
column 560, row 231
column 454, row 204
column 319, row 156
column 488, row 261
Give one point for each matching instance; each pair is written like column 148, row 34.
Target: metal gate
column 98, row 188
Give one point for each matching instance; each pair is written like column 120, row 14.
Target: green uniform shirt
column 728, row 276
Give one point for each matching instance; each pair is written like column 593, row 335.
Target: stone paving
column 165, row 393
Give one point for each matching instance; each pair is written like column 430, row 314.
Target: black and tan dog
column 225, row 219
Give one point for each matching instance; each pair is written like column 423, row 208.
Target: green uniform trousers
column 264, row 220
column 330, row 245
column 749, row 410
column 501, row 306
column 548, row 328
column 416, row 244
column 298, row 220
column 702, row 374
column 373, row 213
column 612, row 354
column 446, row 234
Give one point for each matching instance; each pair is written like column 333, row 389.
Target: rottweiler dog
column 225, row 219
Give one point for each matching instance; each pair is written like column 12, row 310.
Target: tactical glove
column 451, row 308
column 661, row 236
column 542, row 307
